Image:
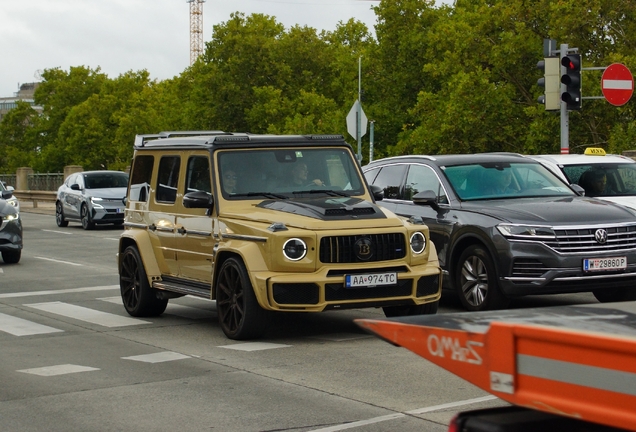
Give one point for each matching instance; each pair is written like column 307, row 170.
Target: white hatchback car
column 606, row 176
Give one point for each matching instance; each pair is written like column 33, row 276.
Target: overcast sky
column 123, row 35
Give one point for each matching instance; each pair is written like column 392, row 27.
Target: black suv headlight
column 526, row 232
column 418, row 242
column 295, row 249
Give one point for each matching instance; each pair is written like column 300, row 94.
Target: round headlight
column 418, row 243
column 295, row 249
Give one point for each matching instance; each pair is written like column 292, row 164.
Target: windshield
column 285, row 173
column 105, row 180
column 504, row 180
column 604, row 180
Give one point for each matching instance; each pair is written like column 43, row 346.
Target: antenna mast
column 196, row 29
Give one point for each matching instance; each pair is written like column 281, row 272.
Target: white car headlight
column 11, row 217
column 295, row 249
column 526, row 231
column 13, row 201
column 418, row 242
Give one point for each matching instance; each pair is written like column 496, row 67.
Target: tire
column 140, row 300
column 476, row 281
column 87, row 224
column 240, row 315
column 59, row 215
column 424, row 309
column 11, row 256
column 615, row 295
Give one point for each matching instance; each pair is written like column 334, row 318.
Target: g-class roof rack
column 140, row 140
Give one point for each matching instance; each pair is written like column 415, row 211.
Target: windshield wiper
column 263, row 194
column 330, row 192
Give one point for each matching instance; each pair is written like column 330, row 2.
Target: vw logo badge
column 600, row 236
column 363, row 249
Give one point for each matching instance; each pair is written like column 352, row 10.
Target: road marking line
column 62, row 291
column 87, row 315
column 58, row 232
column 400, row 415
column 59, row 261
column 254, row 346
column 21, row 327
column 58, row 370
column 159, row 357
column 172, row 309
column 1, row 271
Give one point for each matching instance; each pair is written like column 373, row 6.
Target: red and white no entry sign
column 617, row 84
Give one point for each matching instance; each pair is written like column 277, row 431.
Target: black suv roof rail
column 140, row 140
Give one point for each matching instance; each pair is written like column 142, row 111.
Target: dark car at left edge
column 505, row 226
column 10, row 227
column 92, row 198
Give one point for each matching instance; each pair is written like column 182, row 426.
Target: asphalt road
column 72, row 359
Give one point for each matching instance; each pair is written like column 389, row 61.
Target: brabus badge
column 600, row 236
column 363, row 248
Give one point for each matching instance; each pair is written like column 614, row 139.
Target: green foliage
column 449, row 79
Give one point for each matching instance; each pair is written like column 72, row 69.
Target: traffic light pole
column 565, row 118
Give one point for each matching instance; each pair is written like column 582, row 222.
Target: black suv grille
column 345, row 249
column 621, row 237
column 528, row 268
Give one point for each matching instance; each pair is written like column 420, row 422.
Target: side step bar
column 183, row 287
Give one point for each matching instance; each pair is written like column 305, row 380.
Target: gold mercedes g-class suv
column 266, row 223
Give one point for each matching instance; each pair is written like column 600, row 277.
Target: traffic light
column 572, row 80
column 550, row 82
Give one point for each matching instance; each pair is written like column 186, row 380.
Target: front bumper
column 107, row 212
column 325, row 289
column 11, row 234
column 529, row 268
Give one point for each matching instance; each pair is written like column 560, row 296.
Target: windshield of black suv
column 504, row 180
column 605, row 180
column 285, row 173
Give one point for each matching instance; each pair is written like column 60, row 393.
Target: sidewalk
column 43, row 207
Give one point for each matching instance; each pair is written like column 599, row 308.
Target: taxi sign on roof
column 595, row 151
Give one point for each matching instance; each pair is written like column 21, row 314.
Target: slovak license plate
column 370, row 280
column 599, row 264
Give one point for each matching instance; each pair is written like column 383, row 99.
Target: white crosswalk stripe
column 58, row 370
column 21, row 327
column 87, row 315
column 173, row 309
column 159, row 357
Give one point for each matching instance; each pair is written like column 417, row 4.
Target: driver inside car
column 299, row 176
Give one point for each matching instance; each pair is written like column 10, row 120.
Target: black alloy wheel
column 59, row 215
column 476, row 281
column 87, row 224
column 240, row 315
column 140, row 300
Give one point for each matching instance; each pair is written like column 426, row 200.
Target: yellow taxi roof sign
column 594, row 151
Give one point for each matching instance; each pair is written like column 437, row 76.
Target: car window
column 167, row 179
column 504, row 180
column 421, row 178
column 106, row 180
column 620, row 178
column 141, row 176
column 285, row 172
column 390, row 180
column 198, row 175
column 70, row 180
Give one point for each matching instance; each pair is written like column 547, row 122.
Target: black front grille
column 337, row 291
column 526, row 267
column 620, row 237
column 296, row 293
column 344, row 249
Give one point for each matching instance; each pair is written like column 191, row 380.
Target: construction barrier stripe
column 577, row 374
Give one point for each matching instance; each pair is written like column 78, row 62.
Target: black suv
column 506, row 226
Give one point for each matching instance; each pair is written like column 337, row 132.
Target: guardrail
column 35, row 196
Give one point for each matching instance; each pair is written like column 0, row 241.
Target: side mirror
column 9, row 188
column 377, row 192
column 6, row 194
column 578, row 189
column 427, row 197
column 198, row 199
column 75, row 186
